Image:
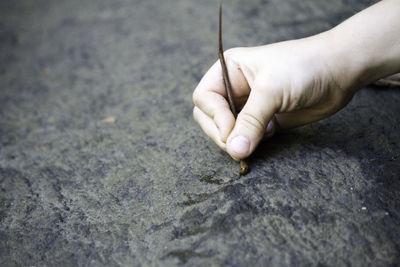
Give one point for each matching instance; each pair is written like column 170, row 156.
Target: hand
column 293, row 83
column 283, row 85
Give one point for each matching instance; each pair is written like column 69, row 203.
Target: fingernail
column 270, row 129
column 240, row 145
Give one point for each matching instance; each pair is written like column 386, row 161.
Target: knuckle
column 251, row 121
column 195, row 114
column 196, row 98
column 271, row 90
column 276, row 94
column 231, row 52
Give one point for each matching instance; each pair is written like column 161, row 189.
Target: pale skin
column 293, row 83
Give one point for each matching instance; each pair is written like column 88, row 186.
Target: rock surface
column 101, row 162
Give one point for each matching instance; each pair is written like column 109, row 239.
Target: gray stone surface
column 151, row 189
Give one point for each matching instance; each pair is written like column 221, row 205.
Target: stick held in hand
column 244, row 167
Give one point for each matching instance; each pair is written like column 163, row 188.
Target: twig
column 227, row 81
column 244, row 167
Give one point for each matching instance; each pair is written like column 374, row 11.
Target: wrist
column 365, row 47
column 348, row 66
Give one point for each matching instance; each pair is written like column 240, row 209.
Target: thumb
column 252, row 122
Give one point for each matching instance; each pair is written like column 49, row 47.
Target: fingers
column 272, row 127
column 290, row 120
column 297, row 118
column 213, row 113
column 252, row 122
column 210, row 97
column 255, row 124
column 216, row 108
column 209, row 127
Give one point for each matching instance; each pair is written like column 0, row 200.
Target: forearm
column 366, row 47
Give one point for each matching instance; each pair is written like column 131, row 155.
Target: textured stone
column 151, row 188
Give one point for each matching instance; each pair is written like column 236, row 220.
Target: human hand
column 293, row 83
column 282, row 85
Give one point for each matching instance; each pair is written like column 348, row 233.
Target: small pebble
column 110, row 120
column 364, row 208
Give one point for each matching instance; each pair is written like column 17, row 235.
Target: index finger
column 210, row 95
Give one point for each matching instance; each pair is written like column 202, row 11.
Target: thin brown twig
column 223, row 64
column 244, row 167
